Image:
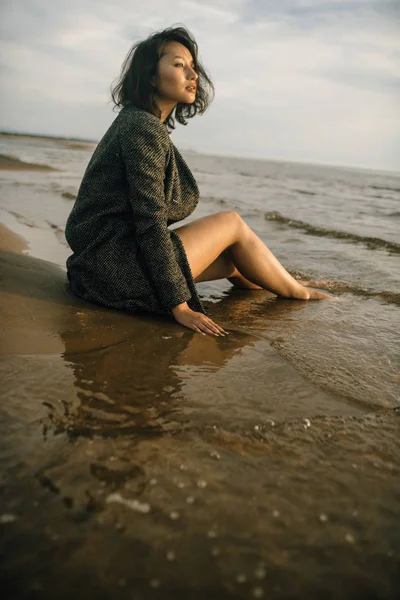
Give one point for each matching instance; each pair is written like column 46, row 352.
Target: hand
column 196, row 320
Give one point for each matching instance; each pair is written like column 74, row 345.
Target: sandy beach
column 142, row 460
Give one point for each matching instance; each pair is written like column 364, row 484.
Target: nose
column 194, row 75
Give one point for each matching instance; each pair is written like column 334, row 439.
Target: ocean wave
column 22, row 219
column 341, row 288
column 371, row 242
column 59, row 232
column 338, row 287
column 384, row 187
column 8, row 162
column 305, row 192
column 68, row 196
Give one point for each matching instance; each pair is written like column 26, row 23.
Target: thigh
column 207, row 238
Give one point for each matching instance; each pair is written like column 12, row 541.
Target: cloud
column 313, row 80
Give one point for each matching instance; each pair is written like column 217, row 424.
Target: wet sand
column 141, row 460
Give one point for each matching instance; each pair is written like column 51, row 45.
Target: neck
column 166, row 108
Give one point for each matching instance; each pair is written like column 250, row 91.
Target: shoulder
column 137, row 120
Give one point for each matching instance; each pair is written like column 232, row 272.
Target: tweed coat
column 135, row 185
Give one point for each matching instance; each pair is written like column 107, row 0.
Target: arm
column 144, row 147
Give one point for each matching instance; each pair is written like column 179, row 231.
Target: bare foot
column 304, row 293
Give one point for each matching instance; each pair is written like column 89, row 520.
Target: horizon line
column 262, row 158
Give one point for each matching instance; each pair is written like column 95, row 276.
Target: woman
column 137, row 184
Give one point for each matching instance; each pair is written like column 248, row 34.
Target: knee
column 234, row 224
column 231, row 215
column 231, row 219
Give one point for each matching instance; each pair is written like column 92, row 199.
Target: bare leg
column 242, row 283
column 223, row 268
column 243, row 255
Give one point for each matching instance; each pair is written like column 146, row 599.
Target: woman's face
column 176, row 79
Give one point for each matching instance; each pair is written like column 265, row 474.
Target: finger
column 218, row 328
column 207, row 328
column 222, row 331
column 212, row 328
column 198, row 330
column 211, row 325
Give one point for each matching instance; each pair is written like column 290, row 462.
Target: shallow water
column 141, row 460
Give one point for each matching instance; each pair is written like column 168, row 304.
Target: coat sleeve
column 144, row 148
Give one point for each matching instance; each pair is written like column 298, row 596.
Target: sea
column 142, row 460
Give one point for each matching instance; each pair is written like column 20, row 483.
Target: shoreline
column 38, row 243
column 281, row 160
column 12, row 241
column 33, row 136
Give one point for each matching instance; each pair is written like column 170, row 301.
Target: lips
column 191, row 88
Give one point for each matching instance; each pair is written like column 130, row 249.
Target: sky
column 306, row 81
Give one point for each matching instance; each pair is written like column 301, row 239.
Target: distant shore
column 70, row 143
column 40, row 136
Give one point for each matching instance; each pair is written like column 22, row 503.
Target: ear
column 153, row 79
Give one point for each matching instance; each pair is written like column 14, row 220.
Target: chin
column 190, row 98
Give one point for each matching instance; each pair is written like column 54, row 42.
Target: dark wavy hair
column 133, row 87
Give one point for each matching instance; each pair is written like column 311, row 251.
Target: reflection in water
column 159, row 378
